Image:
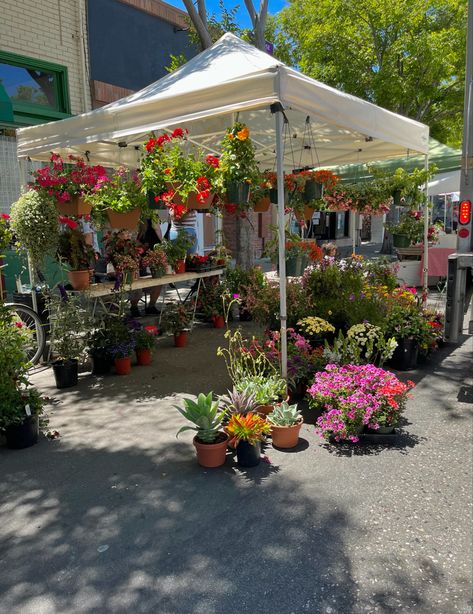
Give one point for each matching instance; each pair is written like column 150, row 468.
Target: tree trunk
column 245, row 233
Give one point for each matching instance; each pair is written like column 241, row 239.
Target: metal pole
column 281, row 239
column 354, row 233
column 426, row 234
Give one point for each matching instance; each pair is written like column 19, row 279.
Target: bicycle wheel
column 32, row 321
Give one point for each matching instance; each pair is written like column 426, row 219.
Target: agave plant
column 284, row 415
column 238, row 402
column 251, row 428
column 204, row 414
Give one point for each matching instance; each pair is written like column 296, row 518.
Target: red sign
column 464, row 212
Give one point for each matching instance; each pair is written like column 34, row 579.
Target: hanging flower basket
column 262, row 205
column 127, row 221
column 238, row 193
column 273, row 196
column 74, row 207
column 192, row 201
column 312, row 190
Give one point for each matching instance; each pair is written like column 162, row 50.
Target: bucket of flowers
column 353, row 398
column 68, row 183
column 177, row 173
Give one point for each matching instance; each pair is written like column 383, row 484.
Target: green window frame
column 27, row 113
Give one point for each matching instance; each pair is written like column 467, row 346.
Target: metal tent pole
column 426, row 234
column 281, row 238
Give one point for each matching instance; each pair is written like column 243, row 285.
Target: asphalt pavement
column 116, row 516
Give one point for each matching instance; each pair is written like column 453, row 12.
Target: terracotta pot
column 123, row 365
column 144, row 357
column 180, row 266
column 181, row 339
column 211, row 454
column 264, row 410
column 127, row 221
column 80, row 280
column 286, row 436
column 219, row 322
column 74, row 207
column 262, row 205
column 307, row 215
column 191, row 201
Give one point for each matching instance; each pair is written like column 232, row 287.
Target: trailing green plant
column 34, row 221
column 267, row 389
column 284, row 414
column 238, row 162
column 205, row 415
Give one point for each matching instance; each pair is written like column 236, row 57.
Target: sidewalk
column 117, row 516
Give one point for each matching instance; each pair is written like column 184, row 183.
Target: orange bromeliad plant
column 249, row 427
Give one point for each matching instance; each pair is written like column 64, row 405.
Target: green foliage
column 244, row 359
column 206, row 416
column 13, row 401
column 74, row 250
column 363, row 344
column 266, row 388
column 5, row 235
column 407, row 56
column 284, row 415
column 407, row 322
column 176, row 318
column 34, row 221
column 238, row 402
column 70, row 324
column 176, row 62
column 237, row 162
column 144, row 340
column 177, row 249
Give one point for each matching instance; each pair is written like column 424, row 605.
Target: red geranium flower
column 72, row 224
column 212, row 161
column 178, row 133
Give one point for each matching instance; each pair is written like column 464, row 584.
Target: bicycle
column 29, row 318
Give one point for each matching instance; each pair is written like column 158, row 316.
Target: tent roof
column 204, row 95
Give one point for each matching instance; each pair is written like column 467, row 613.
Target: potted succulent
column 118, row 198
column 237, row 402
column 286, row 422
column 68, row 183
column 34, row 221
column 144, row 344
column 246, row 434
column 177, row 173
column 210, row 442
column 177, row 320
column 74, row 250
column 268, row 389
column 70, row 323
column 156, row 260
column 238, row 167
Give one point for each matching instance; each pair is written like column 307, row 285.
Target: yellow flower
column 243, row 134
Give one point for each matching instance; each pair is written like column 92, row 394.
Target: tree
column 405, row 55
column 207, row 30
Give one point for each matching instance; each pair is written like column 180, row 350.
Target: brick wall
column 49, row 30
column 261, row 223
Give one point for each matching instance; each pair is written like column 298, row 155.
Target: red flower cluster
column 177, row 210
column 5, row 216
column 153, row 142
column 212, row 161
column 203, row 189
column 67, row 221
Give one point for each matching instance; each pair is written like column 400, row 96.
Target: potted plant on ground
column 68, row 183
column 238, row 167
column 212, row 303
column 268, row 389
column 34, row 221
column 210, row 442
column 408, row 326
column 286, row 422
column 236, row 402
column 177, row 320
column 246, row 434
column 70, row 323
column 99, row 343
column 20, row 405
column 118, row 198
column 156, row 260
column 74, row 250
column 177, row 173
column 145, row 342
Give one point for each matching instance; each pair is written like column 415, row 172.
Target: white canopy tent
column 205, row 95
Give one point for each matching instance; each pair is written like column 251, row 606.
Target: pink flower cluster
column 355, row 396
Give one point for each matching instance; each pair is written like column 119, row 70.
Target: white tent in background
column 205, row 95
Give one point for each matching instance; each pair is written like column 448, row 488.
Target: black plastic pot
column 312, row 190
column 273, row 196
column 405, row 355
column 295, row 267
column 66, row 373
column 101, row 362
column 248, row 455
column 238, row 192
column 23, row 435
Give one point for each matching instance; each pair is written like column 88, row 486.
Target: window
column 37, row 91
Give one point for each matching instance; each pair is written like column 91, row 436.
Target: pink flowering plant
column 353, row 397
column 63, row 180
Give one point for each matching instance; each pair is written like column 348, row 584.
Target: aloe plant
column 284, row 415
column 239, row 402
column 206, row 416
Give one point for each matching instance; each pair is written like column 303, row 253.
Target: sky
column 274, row 6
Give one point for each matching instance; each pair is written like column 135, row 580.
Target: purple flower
column 63, row 293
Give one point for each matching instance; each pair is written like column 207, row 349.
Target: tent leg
column 425, row 271
column 281, row 239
